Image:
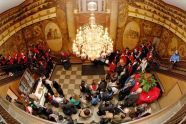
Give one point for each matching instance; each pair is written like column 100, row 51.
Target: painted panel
column 53, row 36
column 131, row 35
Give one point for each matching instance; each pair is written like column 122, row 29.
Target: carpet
column 93, row 70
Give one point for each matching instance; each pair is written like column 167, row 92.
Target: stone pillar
column 70, row 20
column 113, row 19
column 79, row 5
column 84, row 5
column 104, row 8
column 99, row 5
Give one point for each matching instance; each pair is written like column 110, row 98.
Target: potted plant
column 147, row 81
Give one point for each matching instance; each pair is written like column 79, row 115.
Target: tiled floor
column 71, row 79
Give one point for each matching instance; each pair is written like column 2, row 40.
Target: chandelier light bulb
column 92, row 41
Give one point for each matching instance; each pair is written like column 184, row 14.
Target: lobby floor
column 70, row 81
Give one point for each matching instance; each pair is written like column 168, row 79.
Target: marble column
column 70, row 20
column 79, row 5
column 84, row 5
column 113, row 19
column 99, row 5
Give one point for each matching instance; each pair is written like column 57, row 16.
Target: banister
column 158, row 117
column 16, row 112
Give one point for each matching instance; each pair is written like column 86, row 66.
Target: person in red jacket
column 150, row 56
column 112, row 67
column 131, row 57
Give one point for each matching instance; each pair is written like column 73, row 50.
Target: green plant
column 147, row 83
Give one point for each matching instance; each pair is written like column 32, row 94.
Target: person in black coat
column 131, row 99
column 57, row 86
column 102, row 85
column 48, row 87
column 68, row 108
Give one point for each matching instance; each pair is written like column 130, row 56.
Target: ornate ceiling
column 179, row 3
column 7, row 4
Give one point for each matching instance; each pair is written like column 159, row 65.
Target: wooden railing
column 11, row 78
column 16, row 73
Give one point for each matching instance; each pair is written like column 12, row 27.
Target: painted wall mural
column 16, row 43
column 53, row 36
column 49, row 33
column 46, row 33
column 131, row 35
column 137, row 31
column 33, row 34
column 53, row 33
column 123, row 13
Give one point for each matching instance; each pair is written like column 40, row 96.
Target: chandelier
column 92, row 41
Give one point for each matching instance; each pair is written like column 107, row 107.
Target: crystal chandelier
column 92, row 41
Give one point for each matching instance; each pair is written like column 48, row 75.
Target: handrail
column 159, row 117
column 11, row 78
column 180, row 104
column 10, row 66
column 159, row 82
column 14, row 109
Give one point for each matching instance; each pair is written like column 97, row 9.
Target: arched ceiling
column 179, row 3
column 7, row 4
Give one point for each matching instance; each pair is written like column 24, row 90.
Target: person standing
column 58, row 88
column 48, row 87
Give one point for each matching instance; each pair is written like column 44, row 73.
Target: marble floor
column 70, row 81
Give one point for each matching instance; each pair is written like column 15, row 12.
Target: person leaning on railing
column 175, row 58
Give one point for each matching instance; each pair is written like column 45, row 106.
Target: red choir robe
column 149, row 56
column 131, row 58
column 35, row 50
column 129, row 69
column 112, row 68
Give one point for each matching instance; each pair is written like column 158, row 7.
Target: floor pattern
column 70, row 80
column 93, row 70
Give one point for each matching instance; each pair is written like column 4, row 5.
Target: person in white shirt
column 143, row 65
column 58, row 99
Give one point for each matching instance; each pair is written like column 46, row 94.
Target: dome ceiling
column 7, row 4
column 179, row 3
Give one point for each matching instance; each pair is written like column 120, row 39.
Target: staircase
column 178, row 71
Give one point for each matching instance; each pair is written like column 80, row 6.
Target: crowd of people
column 121, row 84
column 36, row 58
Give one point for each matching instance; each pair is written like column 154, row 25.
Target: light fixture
column 92, row 41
